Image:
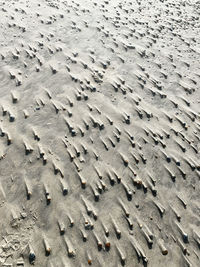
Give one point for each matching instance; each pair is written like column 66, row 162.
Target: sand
column 99, row 133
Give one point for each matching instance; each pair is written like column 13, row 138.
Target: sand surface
column 99, row 133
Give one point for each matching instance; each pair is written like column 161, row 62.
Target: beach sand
column 99, row 133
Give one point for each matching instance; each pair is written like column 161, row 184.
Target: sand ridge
column 99, row 133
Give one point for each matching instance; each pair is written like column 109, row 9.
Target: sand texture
column 99, row 133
